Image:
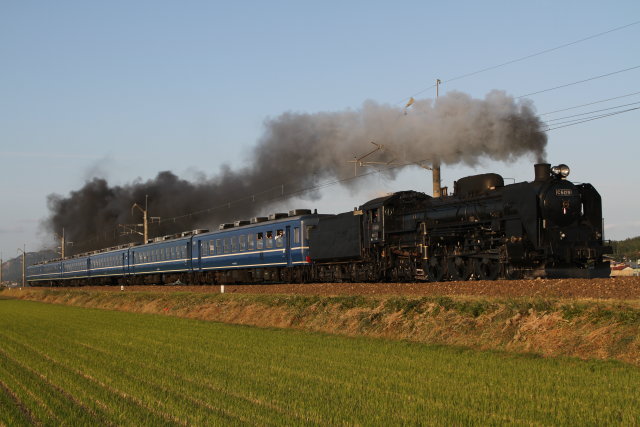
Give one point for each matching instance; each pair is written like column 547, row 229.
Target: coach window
column 212, row 247
column 227, row 245
column 279, row 238
column 251, row 241
column 260, row 241
column 234, row 244
column 296, row 235
column 218, row 246
column 269, row 239
column 243, row 242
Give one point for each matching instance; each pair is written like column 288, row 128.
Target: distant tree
column 12, row 268
column 628, row 249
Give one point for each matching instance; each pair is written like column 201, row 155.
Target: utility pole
column 144, row 217
column 62, row 244
column 24, row 264
column 437, row 188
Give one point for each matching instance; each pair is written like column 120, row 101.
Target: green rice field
column 68, row 365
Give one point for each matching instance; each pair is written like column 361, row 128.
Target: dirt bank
column 586, row 328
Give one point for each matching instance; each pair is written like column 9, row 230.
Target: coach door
column 287, row 236
column 199, row 266
column 189, row 254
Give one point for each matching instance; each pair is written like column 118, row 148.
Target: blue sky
column 123, row 90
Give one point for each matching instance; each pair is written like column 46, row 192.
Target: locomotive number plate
column 564, row 192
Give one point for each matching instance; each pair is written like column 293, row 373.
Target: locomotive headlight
column 561, row 170
column 562, row 235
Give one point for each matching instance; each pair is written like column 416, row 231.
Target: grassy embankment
column 69, row 365
column 603, row 329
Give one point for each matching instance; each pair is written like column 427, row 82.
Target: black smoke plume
column 298, row 151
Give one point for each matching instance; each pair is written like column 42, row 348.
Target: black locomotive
column 486, row 230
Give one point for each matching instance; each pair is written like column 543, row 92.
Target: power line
column 252, row 197
column 540, row 53
column 591, row 112
column 579, row 81
column 320, row 186
column 493, row 67
column 579, row 121
column 590, row 103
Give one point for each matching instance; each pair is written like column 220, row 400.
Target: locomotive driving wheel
column 458, row 268
column 487, row 269
column 435, row 269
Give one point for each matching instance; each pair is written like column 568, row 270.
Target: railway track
column 622, row 288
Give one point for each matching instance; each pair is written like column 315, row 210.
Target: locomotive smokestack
column 435, row 169
column 543, row 171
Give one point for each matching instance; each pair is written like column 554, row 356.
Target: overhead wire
column 493, row 67
column 590, row 103
column 584, row 120
column 339, row 181
column 462, row 76
column 591, row 112
column 578, row 82
column 228, row 204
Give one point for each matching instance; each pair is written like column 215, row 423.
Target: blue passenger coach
column 274, row 248
column 260, row 249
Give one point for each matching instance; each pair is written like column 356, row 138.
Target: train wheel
column 487, row 269
column 457, row 269
column 435, row 270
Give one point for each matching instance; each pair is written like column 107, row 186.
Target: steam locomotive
column 549, row 227
column 546, row 228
